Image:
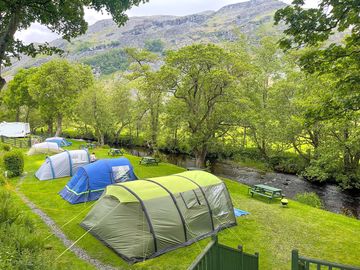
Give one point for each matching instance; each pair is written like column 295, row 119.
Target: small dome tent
column 62, row 164
column 145, row 218
column 59, row 140
column 45, row 148
column 90, row 181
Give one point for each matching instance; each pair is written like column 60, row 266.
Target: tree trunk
column 200, row 156
column 2, row 82
column 7, row 38
column 346, row 154
column 58, row 126
column 27, row 115
column 101, row 138
column 244, row 138
column 17, row 115
column 50, row 127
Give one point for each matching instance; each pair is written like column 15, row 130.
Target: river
column 333, row 198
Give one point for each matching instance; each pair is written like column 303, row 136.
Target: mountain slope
column 104, row 39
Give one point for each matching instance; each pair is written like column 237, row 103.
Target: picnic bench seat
column 88, row 146
column 148, row 161
column 115, row 152
column 266, row 191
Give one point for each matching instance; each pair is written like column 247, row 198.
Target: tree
column 201, row 78
column 94, row 109
column 121, row 105
column 17, row 93
column 65, row 17
column 256, row 96
column 150, row 90
column 55, row 86
column 311, row 28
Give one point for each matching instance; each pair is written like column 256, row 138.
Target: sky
column 39, row 33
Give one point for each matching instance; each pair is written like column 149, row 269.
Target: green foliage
column 56, row 85
column 14, row 163
column 292, row 164
column 6, row 147
column 155, row 45
column 2, row 178
column 309, row 198
column 21, row 247
column 63, row 17
column 312, row 27
column 17, row 93
column 108, row 62
column 202, row 79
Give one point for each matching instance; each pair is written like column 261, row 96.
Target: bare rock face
column 174, row 31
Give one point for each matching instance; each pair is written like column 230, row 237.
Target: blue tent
column 59, row 140
column 90, row 181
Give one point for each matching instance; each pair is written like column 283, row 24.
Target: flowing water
column 334, row 199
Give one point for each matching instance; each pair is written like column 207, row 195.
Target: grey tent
column 45, row 148
column 62, row 164
column 146, row 218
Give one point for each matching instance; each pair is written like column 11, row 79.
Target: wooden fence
column 220, row 257
column 16, row 142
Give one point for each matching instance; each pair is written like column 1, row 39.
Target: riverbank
column 271, row 230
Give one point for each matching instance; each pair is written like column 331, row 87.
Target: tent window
column 190, row 198
column 121, row 173
column 75, row 158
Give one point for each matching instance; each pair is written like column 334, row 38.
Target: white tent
column 14, row 129
column 62, row 164
column 45, row 148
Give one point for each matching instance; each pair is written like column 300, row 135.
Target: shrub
column 309, row 198
column 21, row 247
column 287, row 164
column 14, row 163
column 6, row 147
column 2, row 179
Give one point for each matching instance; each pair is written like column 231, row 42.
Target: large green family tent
column 62, row 164
column 145, row 218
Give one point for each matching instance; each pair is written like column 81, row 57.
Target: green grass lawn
column 271, row 230
column 53, row 246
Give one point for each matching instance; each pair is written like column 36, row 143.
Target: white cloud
column 39, row 33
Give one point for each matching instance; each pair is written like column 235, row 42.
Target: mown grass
column 271, row 230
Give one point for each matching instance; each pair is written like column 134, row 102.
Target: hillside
column 105, row 39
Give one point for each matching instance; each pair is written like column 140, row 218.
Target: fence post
column 240, row 248
column 295, row 259
column 216, row 250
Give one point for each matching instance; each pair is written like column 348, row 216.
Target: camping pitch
column 59, row 140
column 62, row 164
column 45, row 148
column 146, row 218
column 91, row 180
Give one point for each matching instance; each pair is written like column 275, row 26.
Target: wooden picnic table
column 115, row 152
column 149, row 161
column 266, row 191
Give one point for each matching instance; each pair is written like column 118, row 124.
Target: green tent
column 145, row 218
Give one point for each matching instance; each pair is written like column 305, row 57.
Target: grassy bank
column 53, row 246
column 271, row 230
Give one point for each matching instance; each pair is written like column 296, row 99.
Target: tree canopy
column 65, row 18
column 56, row 85
column 313, row 27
